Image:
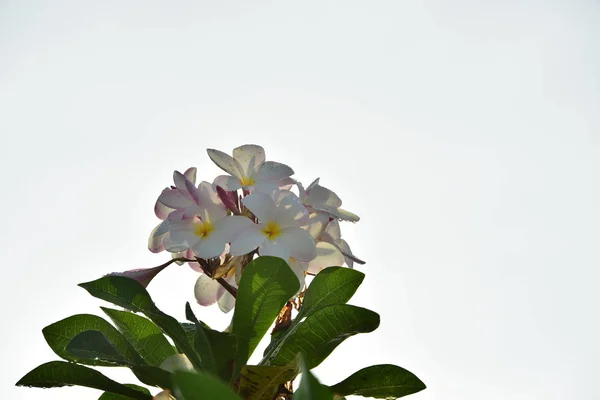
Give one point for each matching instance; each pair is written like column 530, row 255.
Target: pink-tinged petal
column 155, row 241
column 229, row 227
column 299, row 243
column 229, row 199
column 161, row 210
column 272, row 171
column 155, row 244
column 321, row 195
column 190, row 173
column 316, row 224
column 261, row 205
column 274, row 249
column 212, row 209
column 286, row 183
column 247, row 241
column 327, row 256
column 333, row 229
column 142, row 275
column 173, row 198
column 338, row 213
column 208, row 194
column 192, row 191
column 290, row 212
column 225, row 162
column 350, row 258
column 229, row 183
column 250, row 157
column 205, row 290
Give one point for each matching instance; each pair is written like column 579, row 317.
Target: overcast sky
column 465, row 134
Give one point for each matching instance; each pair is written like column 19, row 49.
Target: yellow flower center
column 203, row 229
column 245, row 181
column 271, row 230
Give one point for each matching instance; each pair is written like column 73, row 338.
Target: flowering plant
column 254, row 235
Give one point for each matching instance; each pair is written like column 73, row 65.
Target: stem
column 222, row 282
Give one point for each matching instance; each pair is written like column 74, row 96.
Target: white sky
column 465, row 134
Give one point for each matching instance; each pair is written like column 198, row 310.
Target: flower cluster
column 219, row 227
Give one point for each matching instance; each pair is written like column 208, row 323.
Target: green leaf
column 333, row 285
column 60, row 373
column 321, row 332
column 94, row 345
column 143, row 334
column 153, row 376
column 193, row 386
column 217, row 350
column 128, row 293
column 310, row 388
column 114, row 396
column 381, row 382
column 59, row 334
column 266, row 285
column 262, row 382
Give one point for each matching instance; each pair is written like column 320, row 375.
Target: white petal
column 190, row 173
column 291, row 212
column 226, row 302
column 161, row 210
column 273, row 171
column 249, row 157
column 173, row 198
column 299, row 243
column 299, row 269
column 247, row 241
column 155, row 243
column 210, row 246
column 316, row 224
column 313, row 184
column 205, row 290
column 224, row 161
column 268, row 188
column 274, row 248
column 333, row 228
column 177, row 362
column 344, row 248
column 338, row 213
column 181, row 236
column 261, row 205
column 327, row 256
column 321, row 195
column 229, row 227
column 229, row 183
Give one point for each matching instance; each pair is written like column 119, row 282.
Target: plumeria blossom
column 217, row 229
column 206, row 232
column 208, row 290
column 248, row 169
column 333, row 236
column 278, row 230
column 319, row 198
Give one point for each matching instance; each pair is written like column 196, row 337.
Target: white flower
column 208, row 231
column 321, row 199
column 248, row 169
column 278, row 231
